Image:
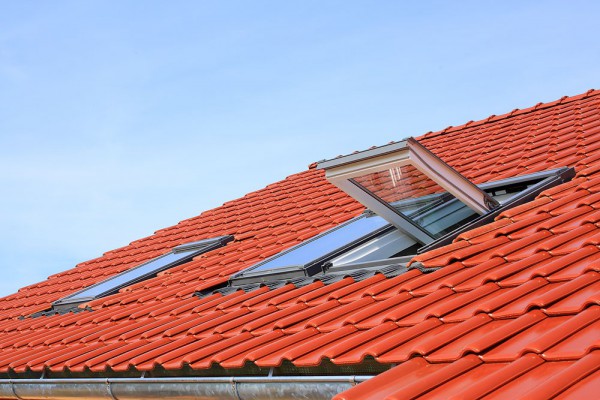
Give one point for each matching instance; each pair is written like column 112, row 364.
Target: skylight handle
column 445, row 176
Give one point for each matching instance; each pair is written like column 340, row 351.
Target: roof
column 514, row 308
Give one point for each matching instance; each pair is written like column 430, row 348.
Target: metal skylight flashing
column 376, row 265
column 177, row 256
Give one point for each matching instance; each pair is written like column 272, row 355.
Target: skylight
column 407, row 184
column 308, row 258
column 179, row 255
column 414, row 214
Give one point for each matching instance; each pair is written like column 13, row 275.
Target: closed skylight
column 308, row 258
column 177, row 256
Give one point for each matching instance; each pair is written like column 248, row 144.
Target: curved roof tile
column 513, row 311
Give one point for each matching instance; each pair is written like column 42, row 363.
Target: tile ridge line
column 516, row 112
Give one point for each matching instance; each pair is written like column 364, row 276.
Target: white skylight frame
column 341, row 172
column 177, row 256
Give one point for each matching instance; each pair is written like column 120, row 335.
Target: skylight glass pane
column 417, row 197
column 131, row 276
column 381, row 247
column 325, row 244
column 399, row 183
column 179, row 255
column 444, row 217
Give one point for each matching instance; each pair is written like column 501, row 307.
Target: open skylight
column 414, row 206
column 407, row 184
column 179, row 255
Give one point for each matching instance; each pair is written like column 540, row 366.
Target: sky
column 118, row 118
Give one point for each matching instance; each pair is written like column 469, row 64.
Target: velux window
column 415, row 202
column 407, row 184
column 179, row 255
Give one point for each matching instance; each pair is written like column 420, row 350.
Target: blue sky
column 118, row 118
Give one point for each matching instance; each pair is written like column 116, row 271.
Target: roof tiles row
column 513, row 308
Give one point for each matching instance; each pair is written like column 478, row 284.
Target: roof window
column 409, row 212
column 404, row 183
column 308, row 258
column 179, row 255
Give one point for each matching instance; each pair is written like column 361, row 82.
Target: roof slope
column 514, row 308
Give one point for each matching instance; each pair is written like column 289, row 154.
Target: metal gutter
column 204, row 388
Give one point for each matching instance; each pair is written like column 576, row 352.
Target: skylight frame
column 341, row 172
column 546, row 180
column 186, row 252
column 342, row 263
column 316, row 264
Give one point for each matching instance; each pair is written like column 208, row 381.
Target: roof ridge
column 513, row 113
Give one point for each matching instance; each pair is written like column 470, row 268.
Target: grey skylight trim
column 203, row 244
column 371, row 264
column 179, row 255
column 560, row 173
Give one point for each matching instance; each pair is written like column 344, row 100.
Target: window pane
column 178, row 255
column 130, row 276
column 399, row 183
column 321, row 246
column 418, row 198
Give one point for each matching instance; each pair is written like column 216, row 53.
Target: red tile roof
column 512, row 311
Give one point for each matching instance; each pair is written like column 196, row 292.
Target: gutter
column 204, row 388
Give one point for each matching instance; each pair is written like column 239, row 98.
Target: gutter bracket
column 12, row 388
column 109, row 390
column 234, row 388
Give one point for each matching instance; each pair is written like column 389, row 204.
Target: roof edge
column 513, row 113
column 232, row 387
